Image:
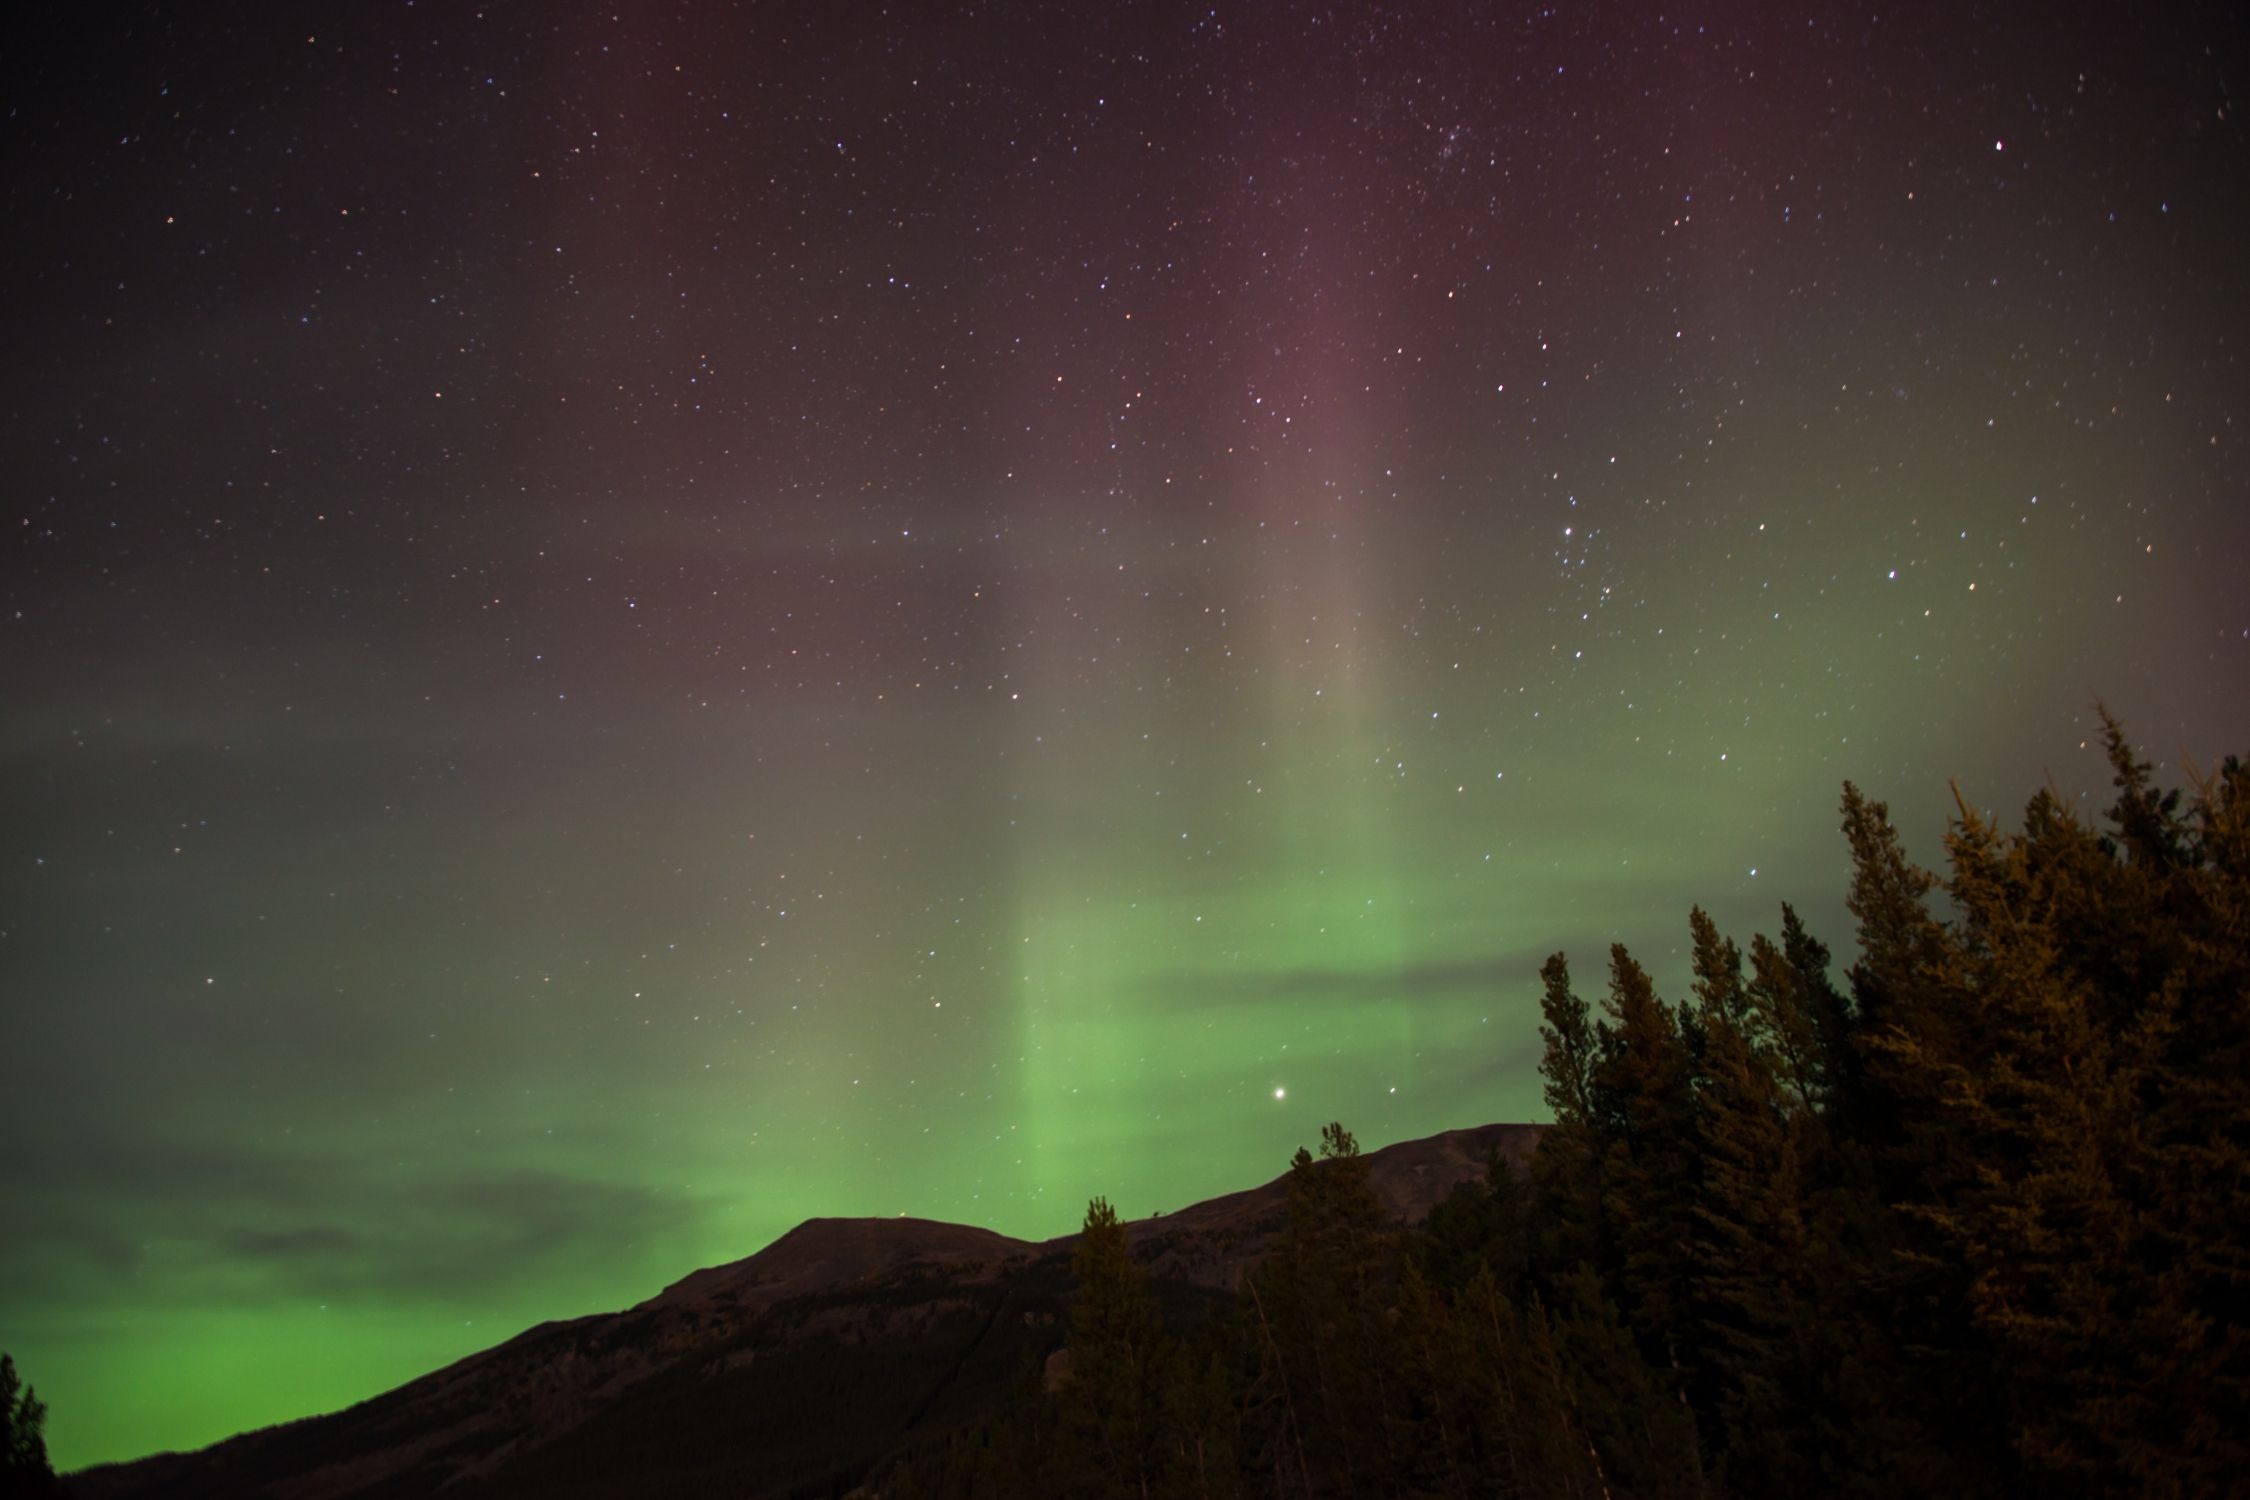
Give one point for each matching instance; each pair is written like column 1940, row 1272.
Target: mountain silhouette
column 795, row 1371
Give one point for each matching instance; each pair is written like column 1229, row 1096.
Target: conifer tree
column 1570, row 1057
column 2097, row 1133
column 1495, row 1413
column 2198, row 1127
column 1751, row 1265
column 1483, row 1226
column 1440, row 1420
column 24, row 1470
column 1638, row 1431
column 1202, row 1418
column 1919, row 1038
column 1566, row 1167
column 1642, row 1092
column 2149, row 828
column 2041, row 1109
column 1325, row 1296
column 1118, row 1364
column 1834, row 1022
column 1903, row 983
column 1543, row 1446
column 1719, row 992
column 1777, row 996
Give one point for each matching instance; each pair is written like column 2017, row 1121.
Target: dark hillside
column 794, row 1371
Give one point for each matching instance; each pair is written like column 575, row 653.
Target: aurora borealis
column 625, row 625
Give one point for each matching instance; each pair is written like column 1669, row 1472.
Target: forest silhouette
column 1974, row 1224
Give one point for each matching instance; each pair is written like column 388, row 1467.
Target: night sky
column 626, row 624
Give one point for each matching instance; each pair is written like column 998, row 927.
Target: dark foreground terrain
column 842, row 1346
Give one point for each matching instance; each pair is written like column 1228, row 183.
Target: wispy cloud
column 1406, row 984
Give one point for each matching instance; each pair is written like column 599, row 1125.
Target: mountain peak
column 823, row 1255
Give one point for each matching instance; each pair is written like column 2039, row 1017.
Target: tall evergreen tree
column 1566, row 1168
column 1903, row 983
column 1570, row 1055
column 1776, row 995
column 1642, row 1091
column 1835, row 1022
column 1639, row 1432
column 1919, row 1038
column 1752, row 1264
column 2043, row 1230
column 1719, row 992
column 1543, row 1444
column 2199, row 1130
column 2105, row 1191
column 1325, row 1301
column 24, row 1470
column 1119, row 1365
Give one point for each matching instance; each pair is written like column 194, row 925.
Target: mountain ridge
column 841, row 1342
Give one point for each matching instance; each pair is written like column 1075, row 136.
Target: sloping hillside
column 789, row 1372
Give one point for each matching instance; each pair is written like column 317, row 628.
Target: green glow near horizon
column 493, row 1138
column 1117, row 1026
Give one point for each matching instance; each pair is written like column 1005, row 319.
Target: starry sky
column 628, row 623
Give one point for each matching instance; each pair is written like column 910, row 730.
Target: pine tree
column 1920, row 1039
column 2103, row 1237
column 1438, row 1421
column 2199, row 1149
column 1570, row 1057
column 1638, row 1431
column 1202, row 1419
column 24, row 1470
column 1751, row 1257
column 1480, row 1226
column 2149, row 828
column 1903, row 984
column 1324, row 1303
column 1719, row 992
column 1491, row 1411
column 1566, row 1166
column 1541, row 1444
column 1785, row 1015
column 1643, row 1095
column 1835, row 1022
column 1119, row 1361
